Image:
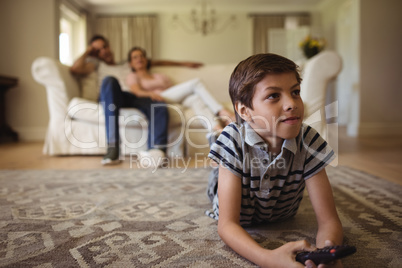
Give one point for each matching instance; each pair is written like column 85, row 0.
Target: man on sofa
column 100, row 51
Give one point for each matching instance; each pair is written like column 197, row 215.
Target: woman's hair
column 249, row 72
column 143, row 53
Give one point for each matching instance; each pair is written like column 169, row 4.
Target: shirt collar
column 253, row 139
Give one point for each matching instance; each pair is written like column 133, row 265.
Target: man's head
column 265, row 91
column 101, row 48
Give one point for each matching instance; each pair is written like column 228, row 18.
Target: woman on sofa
column 159, row 87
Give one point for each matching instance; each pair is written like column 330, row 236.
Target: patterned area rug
column 135, row 218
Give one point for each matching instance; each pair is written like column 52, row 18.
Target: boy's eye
column 296, row 92
column 273, row 96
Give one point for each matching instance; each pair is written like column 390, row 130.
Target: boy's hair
column 249, row 72
column 98, row 37
column 143, row 51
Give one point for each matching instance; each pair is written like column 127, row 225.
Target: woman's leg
column 179, row 92
column 208, row 108
column 202, row 112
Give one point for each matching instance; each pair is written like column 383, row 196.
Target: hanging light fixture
column 203, row 20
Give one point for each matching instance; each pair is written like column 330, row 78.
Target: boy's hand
column 335, row 264
column 285, row 256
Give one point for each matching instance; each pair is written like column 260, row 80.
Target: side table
column 6, row 133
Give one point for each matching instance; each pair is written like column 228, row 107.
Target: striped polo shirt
column 272, row 186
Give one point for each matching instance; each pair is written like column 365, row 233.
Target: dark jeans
column 113, row 98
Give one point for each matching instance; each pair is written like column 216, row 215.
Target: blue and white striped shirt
column 272, row 187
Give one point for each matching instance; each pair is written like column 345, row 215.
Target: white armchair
column 318, row 72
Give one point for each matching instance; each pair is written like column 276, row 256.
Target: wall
column 381, row 68
column 229, row 46
column 27, row 30
column 366, row 34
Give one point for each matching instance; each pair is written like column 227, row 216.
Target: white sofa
column 76, row 125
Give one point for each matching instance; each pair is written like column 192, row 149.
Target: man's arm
column 176, row 63
column 81, row 66
column 229, row 229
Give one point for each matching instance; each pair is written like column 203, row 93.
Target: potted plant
column 311, row 46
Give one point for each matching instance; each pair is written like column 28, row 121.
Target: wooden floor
column 378, row 156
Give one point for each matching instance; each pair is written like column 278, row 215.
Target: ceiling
column 184, row 2
column 157, row 5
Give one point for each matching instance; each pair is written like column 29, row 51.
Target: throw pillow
column 89, row 86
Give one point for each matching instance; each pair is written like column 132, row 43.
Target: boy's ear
column 243, row 111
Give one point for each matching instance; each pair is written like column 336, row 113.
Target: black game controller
column 326, row 254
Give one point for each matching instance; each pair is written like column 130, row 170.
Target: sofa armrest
column 61, row 86
column 318, row 72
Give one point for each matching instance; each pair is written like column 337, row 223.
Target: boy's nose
column 290, row 104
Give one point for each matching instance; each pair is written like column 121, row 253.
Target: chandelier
column 203, row 20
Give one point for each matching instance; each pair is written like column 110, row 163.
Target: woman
column 159, row 87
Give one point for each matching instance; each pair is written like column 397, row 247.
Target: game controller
column 326, row 254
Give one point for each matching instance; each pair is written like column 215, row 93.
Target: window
column 72, row 38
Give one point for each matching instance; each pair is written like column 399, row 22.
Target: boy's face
column 278, row 109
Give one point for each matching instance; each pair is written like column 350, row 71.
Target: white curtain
column 262, row 23
column 124, row 32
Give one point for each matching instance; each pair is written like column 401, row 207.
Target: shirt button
column 266, row 177
column 262, row 148
column 265, row 161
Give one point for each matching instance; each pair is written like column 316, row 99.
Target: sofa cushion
column 91, row 112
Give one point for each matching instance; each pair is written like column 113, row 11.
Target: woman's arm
column 141, row 93
column 136, row 89
column 176, row 63
column 229, row 229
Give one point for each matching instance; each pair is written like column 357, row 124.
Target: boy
column 267, row 159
